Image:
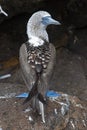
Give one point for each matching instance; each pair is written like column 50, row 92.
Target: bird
column 37, row 58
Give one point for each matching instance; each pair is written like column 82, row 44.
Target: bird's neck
column 36, row 41
column 37, row 35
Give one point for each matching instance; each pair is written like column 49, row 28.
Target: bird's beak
column 53, row 21
column 48, row 20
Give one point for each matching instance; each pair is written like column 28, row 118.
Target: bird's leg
column 41, row 105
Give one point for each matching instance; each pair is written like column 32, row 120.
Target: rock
column 13, row 8
column 70, row 74
column 75, row 13
column 62, row 113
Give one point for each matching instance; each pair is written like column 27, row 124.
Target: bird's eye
column 45, row 20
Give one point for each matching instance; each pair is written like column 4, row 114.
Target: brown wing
column 48, row 72
column 52, row 61
column 28, row 73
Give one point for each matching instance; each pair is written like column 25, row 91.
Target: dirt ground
column 70, row 74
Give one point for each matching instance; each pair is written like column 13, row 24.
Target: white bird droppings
column 55, row 111
column 2, row 11
column 30, row 118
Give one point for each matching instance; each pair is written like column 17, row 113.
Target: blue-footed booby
column 37, row 58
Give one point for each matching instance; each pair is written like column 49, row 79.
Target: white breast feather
column 36, row 41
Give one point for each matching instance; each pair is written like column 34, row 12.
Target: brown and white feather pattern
column 38, row 55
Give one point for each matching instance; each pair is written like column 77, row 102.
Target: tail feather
column 34, row 90
column 32, row 93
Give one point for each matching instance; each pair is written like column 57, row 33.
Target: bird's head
column 36, row 27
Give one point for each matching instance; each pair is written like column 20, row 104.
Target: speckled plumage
column 38, row 55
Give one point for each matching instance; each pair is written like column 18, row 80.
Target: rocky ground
column 63, row 113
